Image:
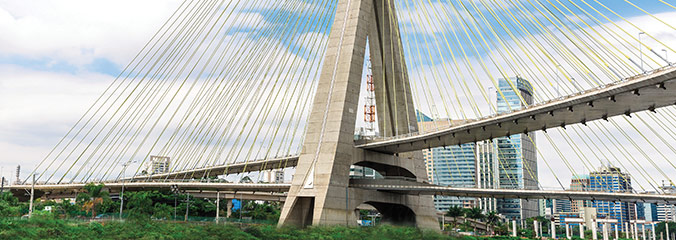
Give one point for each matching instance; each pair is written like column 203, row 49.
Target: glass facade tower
column 516, row 153
column 449, row 166
column 612, row 179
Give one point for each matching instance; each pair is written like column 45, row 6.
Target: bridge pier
column 320, row 192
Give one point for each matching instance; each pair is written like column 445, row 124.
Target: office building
column 579, row 183
column 449, row 166
column 612, row 179
column 159, row 165
column 516, row 154
column 666, row 212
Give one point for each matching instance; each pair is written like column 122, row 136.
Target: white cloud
column 78, row 31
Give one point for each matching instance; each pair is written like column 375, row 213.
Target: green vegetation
column 46, row 225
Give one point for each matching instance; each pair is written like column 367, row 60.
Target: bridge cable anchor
column 544, row 129
column 628, row 113
column 584, row 122
column 605, row 117
column 652, row 108
column 563, row 125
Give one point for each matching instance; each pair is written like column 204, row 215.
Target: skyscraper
column 612, row 179
column 449, row 166
column 516, row 153
column 579, row 183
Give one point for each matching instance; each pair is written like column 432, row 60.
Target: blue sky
column 57, row 57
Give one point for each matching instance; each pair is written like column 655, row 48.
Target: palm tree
column 454, row 212
column 491, row 219
column 93, row 196
column 475, row 213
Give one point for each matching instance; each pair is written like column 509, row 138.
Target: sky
column 57, row 57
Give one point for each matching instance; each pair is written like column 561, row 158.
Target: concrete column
column 553, row 229
column 567, row 231
column 604, row 231
column 581, row 231
column 617, row 233
column 666, row 225
column 653, row 232
column 635, row 231
column 535, row 227
column 594, row 230
column 513, row 228
column 626, row 230
column 643, row 230
column 229, row 206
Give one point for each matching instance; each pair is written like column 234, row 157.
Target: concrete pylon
column 320, row 193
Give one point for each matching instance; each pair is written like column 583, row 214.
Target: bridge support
column 320, row 193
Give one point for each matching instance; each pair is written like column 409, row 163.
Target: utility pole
column 30, row 207
column 2, row 189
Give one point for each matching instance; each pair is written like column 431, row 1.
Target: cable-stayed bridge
column 225, row 89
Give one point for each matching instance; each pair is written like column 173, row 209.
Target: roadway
column 388, row 185
column 212, row 171
column 408, row 187
column 650, row 91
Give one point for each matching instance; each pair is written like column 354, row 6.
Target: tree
column 140, row 206
column 454, row 212
column 660, row 228
column 492, row 219
column 475, row 213
column 92, row 196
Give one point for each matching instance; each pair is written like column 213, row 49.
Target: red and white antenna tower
column 370, row 103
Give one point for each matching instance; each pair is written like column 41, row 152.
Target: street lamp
column 175, row 190
column 124, row 175
column 665, row 56
column 640, row 49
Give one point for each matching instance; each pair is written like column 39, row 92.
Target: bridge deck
column 389, row 185
column 645, row 92
column 239, row 167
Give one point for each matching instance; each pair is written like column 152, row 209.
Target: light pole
column 30, row 208
column 640, row 49
column 187, row 205
column 665, row 56
column 124, row 175
column 174, row 189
